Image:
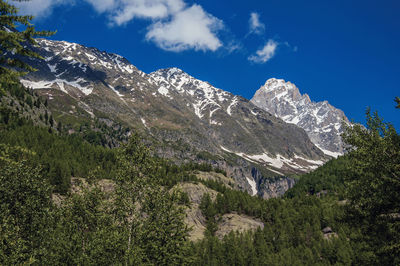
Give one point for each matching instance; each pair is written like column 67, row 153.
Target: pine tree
column 14, row 42
column 51, row 121
column 374, row 185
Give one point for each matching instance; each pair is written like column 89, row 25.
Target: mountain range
column 279, row 133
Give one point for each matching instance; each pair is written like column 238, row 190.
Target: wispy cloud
column 264, row 54
column 255, row 25
column 40, row 8
column 102, row 5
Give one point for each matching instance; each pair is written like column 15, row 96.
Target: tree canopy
column 373, row 185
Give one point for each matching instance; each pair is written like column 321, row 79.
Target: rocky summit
column 186, row 119
column 322, row 122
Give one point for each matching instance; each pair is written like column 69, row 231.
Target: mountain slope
column 186, row 119
column 321, row 121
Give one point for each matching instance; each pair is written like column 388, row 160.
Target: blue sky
column 345, row 52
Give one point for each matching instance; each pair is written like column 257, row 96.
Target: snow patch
column 85, row 89
column 61, row 86
column 60, row 82
column 233, row 103
column 197, row 109
column 38, row 84
column 248, row 158
column 164, row 91
column 213, row 122
column 213, row 111
column 275, row 162
column 86, row 108
column 253, row 185
column 315, row 162
column 116, row 92
column 254, row 113
column 144, row 122
column 53, row 68
column 279, row 161
column 329, row 153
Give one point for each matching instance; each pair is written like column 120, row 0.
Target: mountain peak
column 321, row 121
column 278, row 90
column 170, row 71
column 274, row 83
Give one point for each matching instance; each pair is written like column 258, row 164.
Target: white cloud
column 265, row 53
column 174, row 26
column 124, row 11
column 255, row 25
column 191, row 28
column 102, row 5
column 39, row 8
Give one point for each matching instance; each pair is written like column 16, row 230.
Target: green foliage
column 327, row 179
column 291, row 235
column 25, row 209
column 153, row 221
column 86, row 233
column 209, row 211
column 60, row 156
column 139, row 223
column 373, row 186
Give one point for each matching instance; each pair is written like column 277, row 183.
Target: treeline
column 60, row 156
column 329, row 179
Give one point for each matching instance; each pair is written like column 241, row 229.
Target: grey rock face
column 321, row 121
column 186, row 119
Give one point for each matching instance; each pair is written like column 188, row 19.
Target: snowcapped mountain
column 321, row 121
column 204, row 96
column 186, row 119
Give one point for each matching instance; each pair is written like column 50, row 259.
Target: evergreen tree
column 14, row 42
column 374, row 186
column 51, row 121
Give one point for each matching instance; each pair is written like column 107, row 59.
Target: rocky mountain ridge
column 186, row 119
column 321, row 121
